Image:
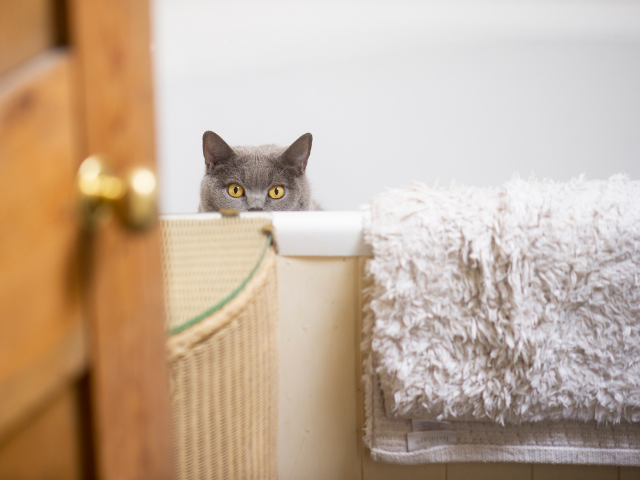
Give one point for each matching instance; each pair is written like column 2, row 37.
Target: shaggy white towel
column 516, row 304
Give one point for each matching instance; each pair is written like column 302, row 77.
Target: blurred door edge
column 83, row 380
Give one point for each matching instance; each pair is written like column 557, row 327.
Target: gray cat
column 263, row 178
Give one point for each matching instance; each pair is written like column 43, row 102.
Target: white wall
column 400, row 91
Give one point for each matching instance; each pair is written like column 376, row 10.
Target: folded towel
column 515, row 304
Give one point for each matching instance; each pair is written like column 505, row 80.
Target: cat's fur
column 256, row 169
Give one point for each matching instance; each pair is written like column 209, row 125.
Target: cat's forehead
column 260, row 153
column 255, row 167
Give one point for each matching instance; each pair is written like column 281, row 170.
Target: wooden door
column 83, row 385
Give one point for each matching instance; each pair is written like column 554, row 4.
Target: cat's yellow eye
column 277, row 191
column 235, row 190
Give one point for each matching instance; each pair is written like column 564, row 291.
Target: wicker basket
column 221, row 296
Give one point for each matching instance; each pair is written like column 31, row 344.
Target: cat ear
column 297, row 155
column 215, row 149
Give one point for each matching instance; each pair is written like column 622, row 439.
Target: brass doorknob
column 134, row 198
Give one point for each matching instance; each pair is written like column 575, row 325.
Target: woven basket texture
column 205, row 260
column 224, row 366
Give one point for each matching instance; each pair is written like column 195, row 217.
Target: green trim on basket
column 228, row 298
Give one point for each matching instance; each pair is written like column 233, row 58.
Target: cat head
column 264, row 178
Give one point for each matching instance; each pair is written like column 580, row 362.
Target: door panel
column 125, row 309
column 41, row 333
column 50, row 444
column 58, row 282
column 111, row 39
column 28, row 27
